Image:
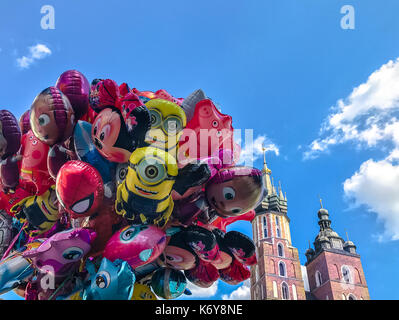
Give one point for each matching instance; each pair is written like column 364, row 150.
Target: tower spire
column 267, row 173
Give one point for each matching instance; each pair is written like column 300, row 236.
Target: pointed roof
column 267, row 173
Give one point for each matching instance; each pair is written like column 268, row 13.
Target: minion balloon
column 144, row 197
column 41, row 212
column 167, row 123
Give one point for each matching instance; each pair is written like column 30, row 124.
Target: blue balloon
column 87, row 151
column 112, row 281
column 168, row 283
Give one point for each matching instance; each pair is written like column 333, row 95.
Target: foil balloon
column 60, row 254
column 8, row 201
column 34, row 176
column 80, row 189
column 235, row 273
column 52, row 117
column 203, row 275
column 234, row 191
column 167, row 123
column 112, row 281
column 87, row 151
column 145, row 196
column 40, row 211
column 77, row 88
column 24, row 122
column 163, row 94
column 136, row 244
column 122, row 122
column 188, row 104
column 58, row 155
column 204, row 243
column 208, row 131
column 178, row 254
column 15, row 268
column 168, row 283
column 143, row 292
column 10, row 142
column 111, row 137
column 242, row 247
column 222, row 223
column 10, row 134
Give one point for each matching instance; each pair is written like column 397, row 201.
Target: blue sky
column 277, row 67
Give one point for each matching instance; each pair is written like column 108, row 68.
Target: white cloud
column 241, row 293
column 376, row 185
column 198, row 292
column 368, row 116
column 253, row 149
column 37, row 52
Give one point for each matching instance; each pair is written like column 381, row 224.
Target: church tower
column 277, row 274
column 333, row 266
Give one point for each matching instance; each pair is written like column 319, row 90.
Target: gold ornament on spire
column 321, row 202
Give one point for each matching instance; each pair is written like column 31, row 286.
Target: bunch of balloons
column 109, row 192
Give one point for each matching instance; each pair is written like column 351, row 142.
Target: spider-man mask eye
column 82, row 206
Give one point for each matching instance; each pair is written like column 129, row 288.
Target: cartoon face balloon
column 110, row 136
column 52, row 117
column 34, row 171
column 76, row 87
column 168, row 283
column 234, row 191
column 80, row 189
column 145, row 196
column 112, row 281
column 177, row 254
column 213, row 131
column 136, row 244
column 62, row 252
column 167, row 123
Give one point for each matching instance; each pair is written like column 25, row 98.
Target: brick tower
column 278, row 272
column 333, row 266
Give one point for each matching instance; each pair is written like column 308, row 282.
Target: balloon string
column 60, row 286
column 14, row 241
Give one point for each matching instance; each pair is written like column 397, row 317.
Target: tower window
column 346, row 274
column 280, row 250
column 282, row 270
column 278, row 233
column 284, row 291
column 351, row 297
column 319, row 279
column 264, row 227
column 277, row 221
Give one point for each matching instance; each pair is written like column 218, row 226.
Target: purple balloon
column 10, row 134
column 76, row 87
column 24, row 122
